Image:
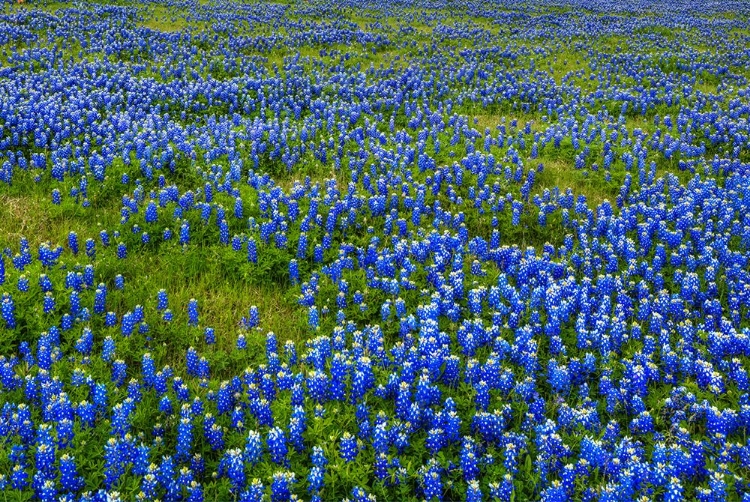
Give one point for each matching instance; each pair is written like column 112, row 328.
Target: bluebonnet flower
column 234, row 468
column 318, row 458
column 70, row 480
column 213, row 432
column 151, row 213
column 45, row 459
column 184, row 439
column 435, row 440
column 473, row 492
column 192, row 312
column 253, row 318
column 73, row 242
column 128, row 324
column 224, row 398
column 45, row 284
column 241, row 341
column 291, row 352
column 119, row 372
column 149, row 484
column 252, row 251
column 224, row 232
column 348, row 448
column 110, row 319
column 113, row 462
column 23, row 283
column 313, row 317
column 469, row 461
column 209, row 336
column 49, row 303
column 100, row 299
column 674, row 491
column 253, row 447
column 281, row 486
column 184, row 233
column 317, row 386
column 104, row 237
column 315, row 479
column 293, row 271
column 431, row 483
column 297, row 428
column 165, row 405
column 19, row 477
column 8, row 308
column 254, row 493
column 45, row 488
column 108, row 349
column 277, row 446
column 195, row 492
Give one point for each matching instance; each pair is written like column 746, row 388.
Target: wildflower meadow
column 363, row 250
